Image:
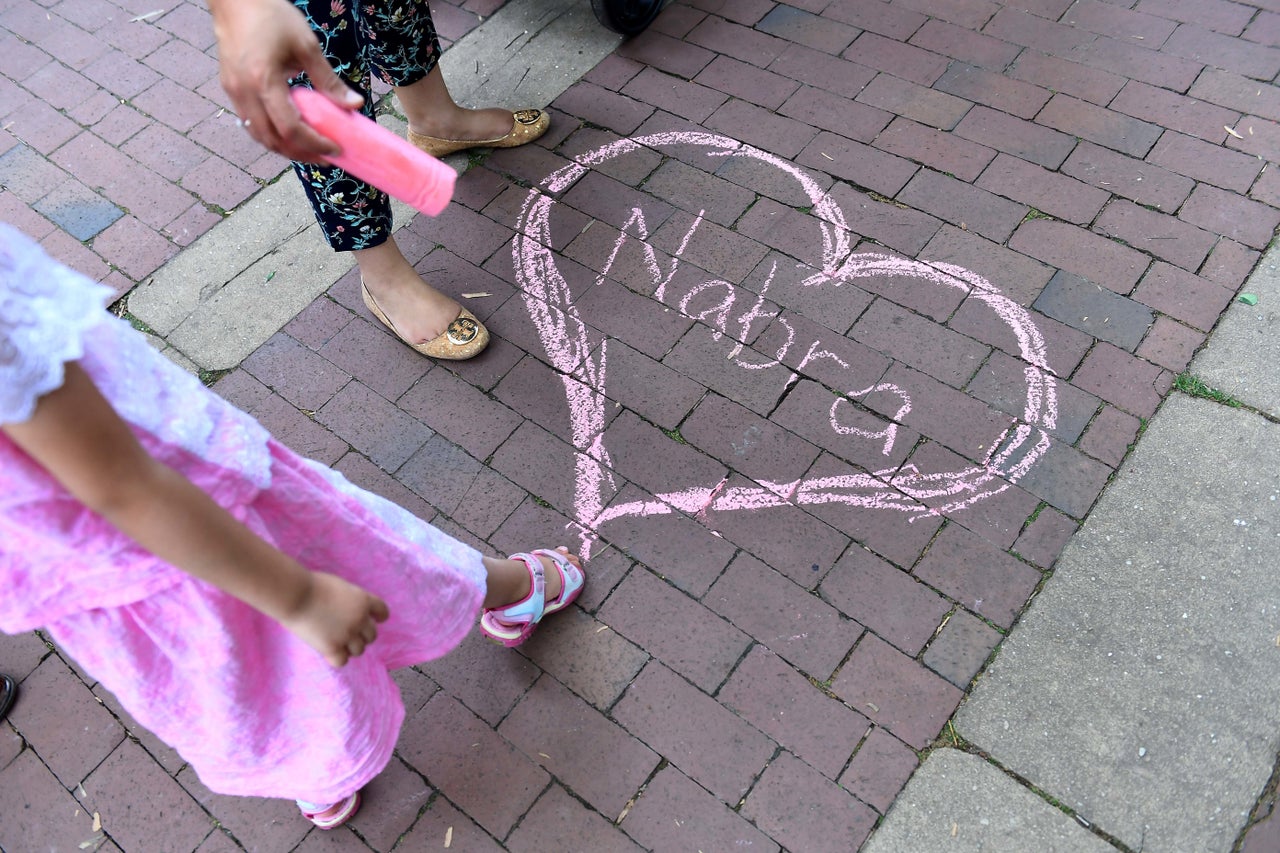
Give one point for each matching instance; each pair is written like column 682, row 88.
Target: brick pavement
column 818, row 517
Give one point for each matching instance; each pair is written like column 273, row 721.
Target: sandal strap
column 571, row 579
column 513, row 624
column 530, row 608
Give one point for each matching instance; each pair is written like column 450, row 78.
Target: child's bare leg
column 508, row 580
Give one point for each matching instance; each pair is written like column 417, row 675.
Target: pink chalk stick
column 376, row 155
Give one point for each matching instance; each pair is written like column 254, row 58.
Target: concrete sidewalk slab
column 1142, row 687
column 1239, row 359
column 195, row 277
column 240, row 283
column 526, row 54
column 959, row 803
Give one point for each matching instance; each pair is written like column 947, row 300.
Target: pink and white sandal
column 513, row 624
column 332, row 816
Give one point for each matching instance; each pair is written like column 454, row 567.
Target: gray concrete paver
column 958, row 803
column 1244, row 346
column 1122, row 693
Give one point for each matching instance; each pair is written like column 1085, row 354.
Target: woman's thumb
column 322, row 76
column 332, row 87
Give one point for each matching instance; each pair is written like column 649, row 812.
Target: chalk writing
column 713, row 302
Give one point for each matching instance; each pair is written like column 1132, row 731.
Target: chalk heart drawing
column 904, row 489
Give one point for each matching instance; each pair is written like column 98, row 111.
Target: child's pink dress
column 253, row 709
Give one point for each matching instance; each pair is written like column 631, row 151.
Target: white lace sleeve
column 45, row 309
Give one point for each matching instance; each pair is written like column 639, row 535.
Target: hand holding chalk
column 376, row 155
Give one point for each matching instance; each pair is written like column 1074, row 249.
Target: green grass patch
column 1142, row 428
column 208, row 377
column 139, row 325
column 1195, row 387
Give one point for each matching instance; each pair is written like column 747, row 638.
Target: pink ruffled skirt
column 253, row 709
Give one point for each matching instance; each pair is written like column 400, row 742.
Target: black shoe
column 8, row 692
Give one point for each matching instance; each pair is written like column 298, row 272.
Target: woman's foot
column 488, row 128
column 418, row 314
column 460, row 123
column 439, row 126
column 527, row 587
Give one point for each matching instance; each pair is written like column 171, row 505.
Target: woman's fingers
column 261, row 44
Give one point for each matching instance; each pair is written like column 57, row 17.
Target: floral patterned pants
column 395, row 39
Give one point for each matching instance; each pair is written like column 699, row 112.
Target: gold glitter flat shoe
column 465, row 337
column 527, row 125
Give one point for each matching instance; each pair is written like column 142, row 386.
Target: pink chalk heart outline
column 905, row 488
